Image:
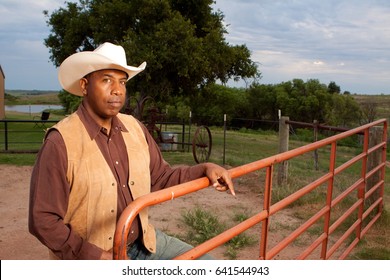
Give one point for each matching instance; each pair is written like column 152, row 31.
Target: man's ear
column 83, row 85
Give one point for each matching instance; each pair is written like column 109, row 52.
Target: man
column 96, row 161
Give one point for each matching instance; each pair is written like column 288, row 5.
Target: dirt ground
column 17, row 243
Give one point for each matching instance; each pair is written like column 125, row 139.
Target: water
column 31, row 108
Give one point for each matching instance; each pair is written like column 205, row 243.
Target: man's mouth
column 115, row 103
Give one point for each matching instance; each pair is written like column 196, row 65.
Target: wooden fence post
column 284, row 130
column 315, row 130
column 224, row 139
column 374, row 160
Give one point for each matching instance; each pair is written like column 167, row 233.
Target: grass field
column 380, row 102
column 32, row 97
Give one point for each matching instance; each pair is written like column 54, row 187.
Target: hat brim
column 78, row 65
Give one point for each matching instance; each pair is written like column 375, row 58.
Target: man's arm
column 163, row 175
column 49, row 197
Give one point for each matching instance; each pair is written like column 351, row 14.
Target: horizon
column 57, row 91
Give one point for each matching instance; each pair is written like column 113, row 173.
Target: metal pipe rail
column 269, row 209
column 7, row 132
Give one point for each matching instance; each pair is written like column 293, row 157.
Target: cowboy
column 96, row 161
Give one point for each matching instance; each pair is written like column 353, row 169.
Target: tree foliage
column 302, row 101
column 213, row 101
column 260, row 104
column 70, row 102
column 181, row 40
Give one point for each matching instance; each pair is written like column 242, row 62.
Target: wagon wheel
column 201, row 144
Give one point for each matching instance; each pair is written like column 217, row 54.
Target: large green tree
column 303, row 101
column 181, row 40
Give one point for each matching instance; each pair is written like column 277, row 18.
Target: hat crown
column 106, row 56
column 113, row 52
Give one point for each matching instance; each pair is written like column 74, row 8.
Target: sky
column 344, row 41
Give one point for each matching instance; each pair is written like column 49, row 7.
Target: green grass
column 375, row 244
column 18, row 159
column 27, row 135
column 203, row 225
column 381, row 101
column 242, row 147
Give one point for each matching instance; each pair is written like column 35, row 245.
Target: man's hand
column 219, row 177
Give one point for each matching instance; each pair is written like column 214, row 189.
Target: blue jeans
column 167, row 248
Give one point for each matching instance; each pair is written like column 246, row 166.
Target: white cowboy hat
column 106, row 56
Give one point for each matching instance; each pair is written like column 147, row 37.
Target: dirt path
column 16, row 242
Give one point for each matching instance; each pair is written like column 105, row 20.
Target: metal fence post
column 6, row 135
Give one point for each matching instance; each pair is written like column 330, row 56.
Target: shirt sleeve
column 162, row 174
column 49, row 197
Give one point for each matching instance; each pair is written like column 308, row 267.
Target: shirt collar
column 92, row 127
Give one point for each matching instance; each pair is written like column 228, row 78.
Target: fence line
column 37, row 123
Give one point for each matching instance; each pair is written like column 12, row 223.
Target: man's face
column 105, row 93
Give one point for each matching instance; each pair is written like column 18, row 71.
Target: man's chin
column 114, row 109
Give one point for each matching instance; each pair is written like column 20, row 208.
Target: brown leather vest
column 92, row 208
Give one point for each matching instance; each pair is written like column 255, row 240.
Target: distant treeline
column 300, row 100
column 18, row 92
column 257, row 106
column 23, row 97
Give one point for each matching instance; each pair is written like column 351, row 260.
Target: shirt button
column 113, row 184
column 116, row 162
column 112, row 210
column 110, row 238
column 124, row 186
column 132, row 183
column 132, row 232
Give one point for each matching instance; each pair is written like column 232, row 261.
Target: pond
column 32, row 108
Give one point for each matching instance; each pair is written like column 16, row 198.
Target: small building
column 2, row 94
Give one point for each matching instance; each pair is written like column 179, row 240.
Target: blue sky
column 345, row 41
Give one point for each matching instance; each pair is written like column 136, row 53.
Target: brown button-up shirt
column 49, row 190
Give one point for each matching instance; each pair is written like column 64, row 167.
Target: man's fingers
column 222, row 185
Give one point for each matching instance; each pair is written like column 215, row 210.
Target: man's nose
column 117, row 89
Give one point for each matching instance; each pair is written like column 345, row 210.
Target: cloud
column 23, row 56
column 346, row 41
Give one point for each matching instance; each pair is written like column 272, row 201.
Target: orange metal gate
column 366, row 216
